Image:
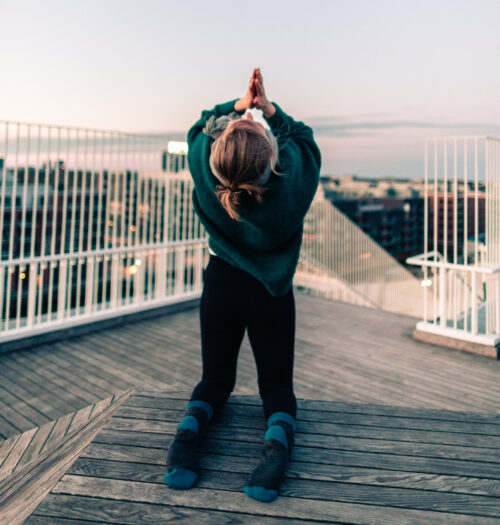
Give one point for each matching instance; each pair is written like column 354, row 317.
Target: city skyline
column 372, row 79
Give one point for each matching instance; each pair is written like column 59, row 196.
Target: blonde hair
column 241, row 155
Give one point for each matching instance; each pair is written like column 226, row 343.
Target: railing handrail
column 159, row 135
column 102, row 252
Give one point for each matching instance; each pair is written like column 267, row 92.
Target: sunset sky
column 372, row 78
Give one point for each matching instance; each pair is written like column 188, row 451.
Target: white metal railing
column 339, row 260
column 461, row 255
column 95, row 224
column 92, row 225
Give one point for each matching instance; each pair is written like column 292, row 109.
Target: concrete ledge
column 457, row 344
column 102, row 324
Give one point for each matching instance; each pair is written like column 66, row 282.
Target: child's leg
column 222, row 330
column 271, row 331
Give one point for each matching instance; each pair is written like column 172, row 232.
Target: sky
column 372, row 78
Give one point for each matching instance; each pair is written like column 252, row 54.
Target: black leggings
column 233, row 300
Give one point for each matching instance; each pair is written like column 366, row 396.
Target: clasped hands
column 255, row 96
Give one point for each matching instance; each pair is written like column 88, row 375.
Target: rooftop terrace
column 381, row 453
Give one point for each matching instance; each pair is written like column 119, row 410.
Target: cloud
column 349, row 127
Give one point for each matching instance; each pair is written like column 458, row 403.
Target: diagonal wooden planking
column 29, row 481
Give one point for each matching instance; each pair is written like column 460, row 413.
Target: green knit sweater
column 266, row 242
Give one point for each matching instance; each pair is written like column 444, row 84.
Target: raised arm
column 286, row 129
column 239, row 105
column 283, row 126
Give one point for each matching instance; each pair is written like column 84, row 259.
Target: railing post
column 115, row 262
column 442, row 296
column 473, row 313
column 179, row 270
column 160, row 274
column 31, row 295
column 496, row 276
column 62, row 282
column 89, row 284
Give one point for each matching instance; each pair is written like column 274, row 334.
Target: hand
column 247, row 102
column 260, row 100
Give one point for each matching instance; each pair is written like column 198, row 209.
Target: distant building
column 391, row 211
column 395, row 224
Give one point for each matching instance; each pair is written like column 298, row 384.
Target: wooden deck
column 352, row 463
column 342, row 353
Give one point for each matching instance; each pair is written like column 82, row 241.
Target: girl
column 252, row 189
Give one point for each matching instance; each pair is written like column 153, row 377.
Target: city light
column 426, row 282
column 177, row 147
column 132, row 269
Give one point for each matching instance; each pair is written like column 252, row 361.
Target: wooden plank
column 8, row 429
column 32, row 415
column 75, row 387
column 6, row 446
column 322, row 471
column 129, row 513
column 42, row 520
column 13, row 417
column 22, row 392
column 326, row 432
column 59, row 430
column 316, row 422
column 152, row 468
column 47, row 393
column 104, row 355
column 389, row 331
column 383, row 345
column 45, row 371
column 22, row 492
column 311, row 489
column 50, row 435
column 331, row 417
column 309, row 454
column 284, row 507
column 73, row 355
column 161, row 372
column 80, row 419
column 325, row 405
column 100, row 406
column 252, row 429
column 16, row 452
column 97, row 356
column 38, row 441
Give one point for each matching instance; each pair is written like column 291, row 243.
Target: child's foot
column 264, row 481
column 184, row 453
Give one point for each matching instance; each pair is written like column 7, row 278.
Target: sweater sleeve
column 300, row 163
column 286, row 129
